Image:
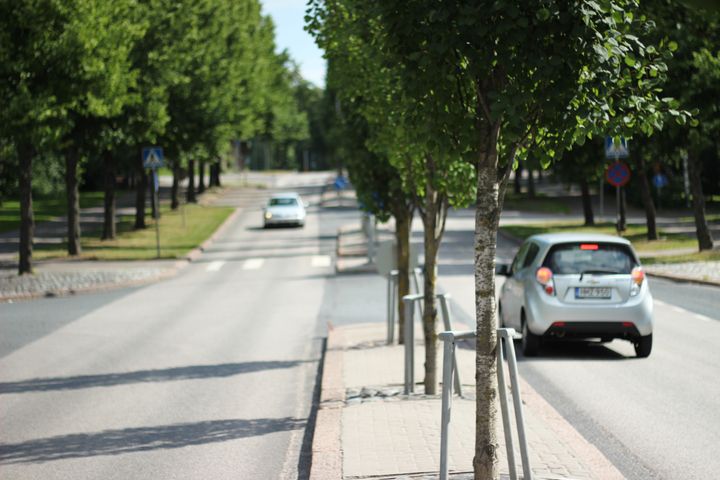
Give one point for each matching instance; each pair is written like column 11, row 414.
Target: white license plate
column 592, row 292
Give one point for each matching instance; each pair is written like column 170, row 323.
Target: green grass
column 539, row 204
column 176, row 238
column 44, row 208
column 706, row 256
column 635, row 233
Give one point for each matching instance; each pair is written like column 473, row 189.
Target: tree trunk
column 190, row 194
column 518, row 178
column 109, row 228
column 647, row 201
column 201, row 176
column 587, row 203
column 403, row 225
column 174, row 200
column 25, row 154
column 216, row 169
column 704, row 237
column 487, row 215
column 73, row 202
column 432, row 216
column 531, row 183
column 140, row 189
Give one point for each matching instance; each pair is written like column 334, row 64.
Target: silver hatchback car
column 563, row 285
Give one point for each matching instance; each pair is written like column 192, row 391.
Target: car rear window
column 597, row 257
column 283, row 202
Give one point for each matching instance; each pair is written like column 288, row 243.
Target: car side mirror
column 502, row 269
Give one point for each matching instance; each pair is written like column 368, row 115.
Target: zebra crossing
column 316, row 261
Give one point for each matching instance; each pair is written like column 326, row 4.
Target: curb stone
column 327, row 438
column 176, row 267
column 684, row 279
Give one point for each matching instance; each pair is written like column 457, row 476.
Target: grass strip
column 637, row 234
column 44, row 208
column 180, row 232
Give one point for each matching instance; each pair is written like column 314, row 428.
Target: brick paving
column 388, row 435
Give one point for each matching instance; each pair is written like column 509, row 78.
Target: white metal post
column 448, row 367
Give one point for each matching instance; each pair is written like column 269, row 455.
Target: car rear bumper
column 283, row 221
column 629, row 319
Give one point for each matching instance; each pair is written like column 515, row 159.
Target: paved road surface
column 653, row 418
column 207, row 375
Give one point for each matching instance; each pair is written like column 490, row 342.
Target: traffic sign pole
column 156, row 181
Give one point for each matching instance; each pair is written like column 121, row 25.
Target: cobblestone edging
column 702, row 272
column 51, row 284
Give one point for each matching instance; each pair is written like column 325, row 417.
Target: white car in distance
column 284, row 209
column 586, row 286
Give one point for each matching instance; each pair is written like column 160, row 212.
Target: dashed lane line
column 321, row 261
column 682, row 311
column 253, row 263
column 215, row 266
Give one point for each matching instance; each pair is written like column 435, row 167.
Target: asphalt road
column 210, row 374
column 653, row 418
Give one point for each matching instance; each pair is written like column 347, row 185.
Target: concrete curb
column 684, row 279
column 327, row 438
column 190, row 257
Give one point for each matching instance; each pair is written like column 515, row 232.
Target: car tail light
column 638, row 276
column 589, row 246
column 544, row 277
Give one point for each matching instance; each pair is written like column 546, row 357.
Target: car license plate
column 592, row 292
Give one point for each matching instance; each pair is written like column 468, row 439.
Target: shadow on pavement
column 142, row 376
column 572, row 350
column 128, row 440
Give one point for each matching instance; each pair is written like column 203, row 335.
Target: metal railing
column 409, row 340
column 392, row 293
column 450, row 371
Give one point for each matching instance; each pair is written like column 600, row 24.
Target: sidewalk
column 366, row 427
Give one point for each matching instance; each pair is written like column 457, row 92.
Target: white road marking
column 704, row 318
column 321, row 261
column 683, row 311
column 253, row 263
column 215, row 266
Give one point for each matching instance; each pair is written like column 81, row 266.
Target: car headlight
column 268, row 215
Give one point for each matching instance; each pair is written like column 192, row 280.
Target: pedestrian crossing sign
column 152, row 157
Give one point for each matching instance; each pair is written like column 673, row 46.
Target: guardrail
column 450, row 373
column 409, row 340
column 392, row 292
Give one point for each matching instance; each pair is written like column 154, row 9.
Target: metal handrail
column 409, row 339
column 450, row 370
column 392, row 291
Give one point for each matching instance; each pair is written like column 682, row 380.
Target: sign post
column 617, row 174
column 153, row 159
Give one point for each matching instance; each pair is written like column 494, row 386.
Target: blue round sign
column 618, row 174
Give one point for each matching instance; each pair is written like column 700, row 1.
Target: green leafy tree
column 489, row 81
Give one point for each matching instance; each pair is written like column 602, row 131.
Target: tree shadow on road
column 141, row 376
column 142, row 439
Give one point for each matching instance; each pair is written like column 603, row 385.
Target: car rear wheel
column 530, row 341
column 643, row 346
